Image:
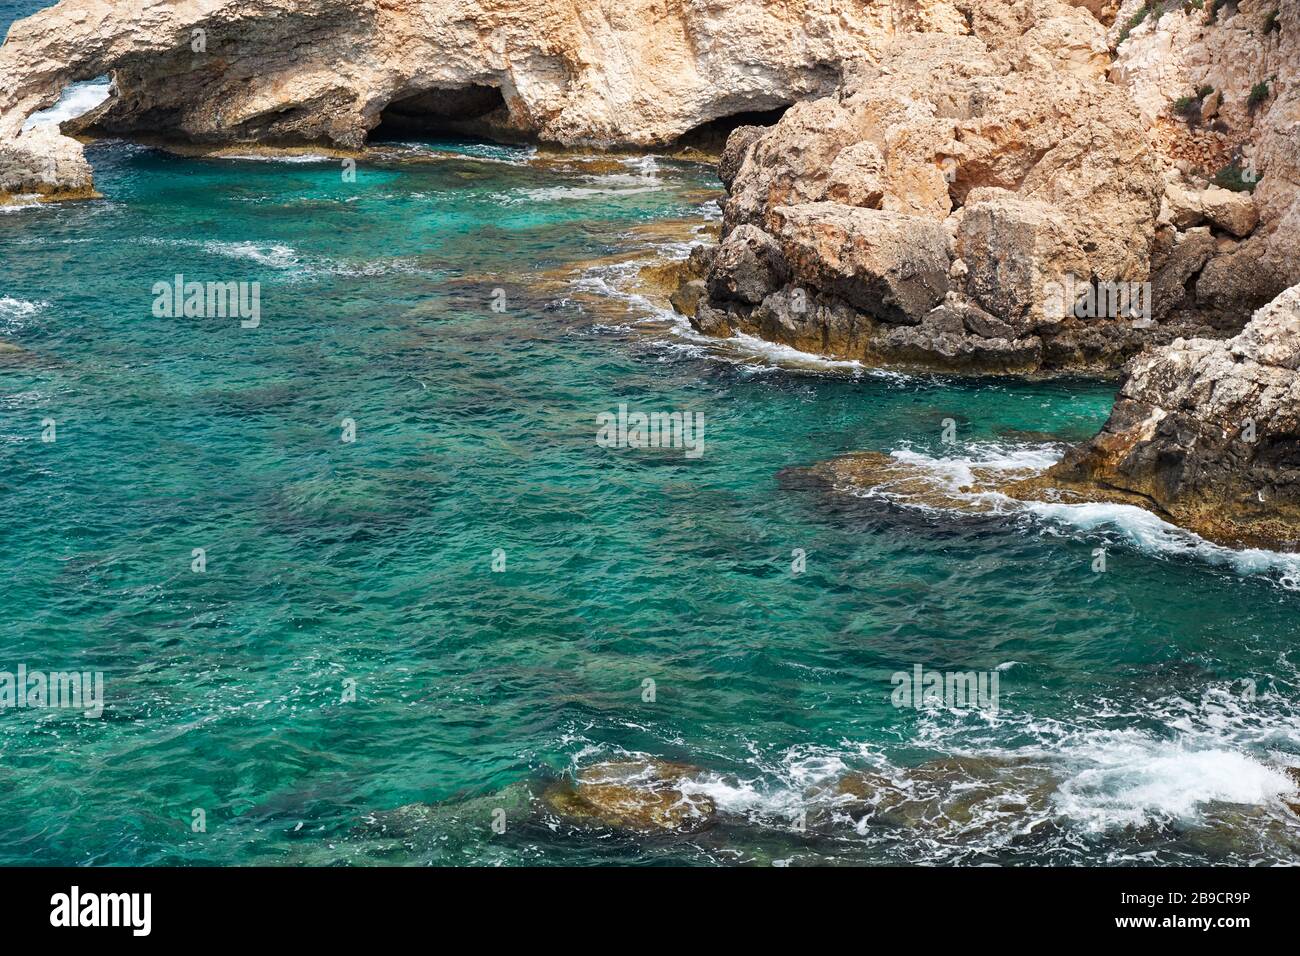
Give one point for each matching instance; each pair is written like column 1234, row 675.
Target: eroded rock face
column 43, row 163
column 1207, row 432
column 946, row 191
column 1219, row 99
column 639, row 72
column 1043, row 175
column 323, row 72
column 890, row 265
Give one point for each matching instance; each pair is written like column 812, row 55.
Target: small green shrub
column 1236, row 178
column 1258, row 94
column 1272, row 22
column 1136, row 20
column 1204, row 92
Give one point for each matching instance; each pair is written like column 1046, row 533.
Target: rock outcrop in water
column 927, row 210
column 44, row 164
column 1207, row 433
column 1043, row 166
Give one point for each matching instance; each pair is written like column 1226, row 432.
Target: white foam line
column 285, row 158
column 1143, row 529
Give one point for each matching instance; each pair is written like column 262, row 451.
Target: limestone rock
column 1207, row 433
column 748, row 266
column 856, row 177
column 1008, row 172
column 736, row 150
column 638, row 72
column 1247, row 277
column 1191, row 251
column 686, row 298
column 1233, row 212
column 891, row 266
column 210, row 73
column 1185, row 52
column 44, row 162
column 1184, row 206
column 720, row 323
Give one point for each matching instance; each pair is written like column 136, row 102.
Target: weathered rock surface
column 639, row 72
column 1044, row 176
column 748, row 264
column 890, row 265
column 1194, row 73
column 979, row 171
column 1207, row 433
column 43, row 163
column 327, row 72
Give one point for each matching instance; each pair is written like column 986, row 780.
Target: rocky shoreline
column 1024, row 187
column 990, row 203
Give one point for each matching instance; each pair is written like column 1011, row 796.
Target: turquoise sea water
column 331, row 562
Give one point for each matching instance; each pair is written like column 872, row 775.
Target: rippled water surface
column 1126, row 731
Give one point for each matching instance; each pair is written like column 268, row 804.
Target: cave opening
column 710, row 137
column 475, row 111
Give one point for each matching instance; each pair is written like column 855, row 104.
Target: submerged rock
column 909, row 483
column 948, row 794
column 636, row 795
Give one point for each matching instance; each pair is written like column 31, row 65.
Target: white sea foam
column 749, row 352
column 1097, row 772
column 611, row 187
column 276, row 256
column 478, row 152
column 15, row 314
column 277, row 158
column 1134, row 526
column 273, row 255
column 643, row 177
column 77, row 99
column 1127, row 779
column 22, row 201
column 957, row 472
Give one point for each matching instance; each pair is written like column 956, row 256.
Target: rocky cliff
column 1022, row 196
column 596, row 72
